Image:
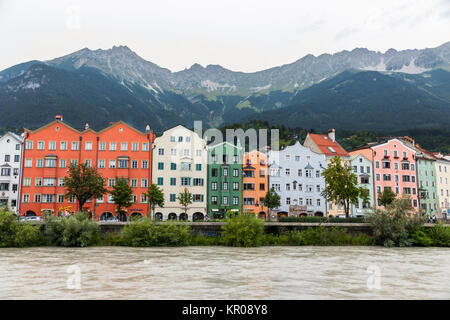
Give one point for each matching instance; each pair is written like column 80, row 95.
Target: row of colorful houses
column 220, row 176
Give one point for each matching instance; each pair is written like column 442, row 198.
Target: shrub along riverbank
column 392, row 227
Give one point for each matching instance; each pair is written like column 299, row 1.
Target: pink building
column 394, row 167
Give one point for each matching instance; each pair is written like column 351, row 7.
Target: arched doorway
column 172, row 216
column 122, row 217
column 135, row 215
column 183, row 217
column 318, row 214
column 30, row 213
column 302, row 214
column 158, row 216
column 262, row 215
column 105, row 216
column 198, row 216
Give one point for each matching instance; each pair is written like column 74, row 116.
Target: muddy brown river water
column 225, row 273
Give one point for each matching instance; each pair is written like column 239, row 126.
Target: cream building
column 179, row 163
column 443, row 185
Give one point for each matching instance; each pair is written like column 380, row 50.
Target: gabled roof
column 12, row 135
column 327, row 146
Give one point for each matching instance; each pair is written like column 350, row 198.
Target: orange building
column 255, row 183
column 117, row 151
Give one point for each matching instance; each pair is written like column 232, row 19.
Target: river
column 225, row 273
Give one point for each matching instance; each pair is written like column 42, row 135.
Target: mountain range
column 358, row 89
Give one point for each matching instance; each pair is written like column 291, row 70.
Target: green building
column 224, row 180
column 426, row 182
column 363, row 169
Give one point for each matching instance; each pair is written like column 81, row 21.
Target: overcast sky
column 241, row 35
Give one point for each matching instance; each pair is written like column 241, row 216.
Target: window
column 88, row 145
column 40, row 145
column 50, row 163
column 185, row 181
column 134, row 164
column 173, row 152
column 144, row 164
column 88, row 163
column 173, row 197
column 225, row 186
column 160, row 165
column 52, row 145
column 111, row 183
column 144, row 146
column 74, row 145
column 377, row 164
column 386, row 177
column 198, row 153
column 318, row 202
column 112, row 146
column 405, row 166
column 308, row 173
column 198, row 167
column 39, row 163
column 101, row 164
column 102, row 146
column 180, row 139
column 288, row 200
column 214, row 200
column 172, row 138
column 300, row 172
column 214, row 172
column 161, row 151
column 26, row 198
column 60, row 198
column 122, row 163
column 73, row 162
column 135, row 146
column 197, row 182
column 185, row 166
column 235, row 201
column 29, row 145
column 60, row 182
column 143, row 198
column 225, row 172
column 6, row 172
column 235, row 186
column 386, row 165
column 225, row 200
column 37, row 198
column 144, row 183
column 262, row 186
column 287, row 172
column 235, row 172
column 48, row 198
column 112, row 164
column 160, row 181
column 26, row 182
column 186, row 152
column 134, row 183
column 173, row 181
column 214, row 186
column 49, row 182
column 123, row 146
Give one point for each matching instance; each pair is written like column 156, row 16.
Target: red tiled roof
column 323, row 142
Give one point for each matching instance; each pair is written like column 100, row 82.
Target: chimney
column 86, row 126
column 332, row 134
column 59, row 118
column 111, row 123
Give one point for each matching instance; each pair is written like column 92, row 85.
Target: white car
column 36, row 218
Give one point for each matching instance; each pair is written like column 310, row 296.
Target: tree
column 185, row 199
column 122, row 194
column 272, row 199
column 342, row 185
column 386, row 197
column 84, row 183
column 155, row 197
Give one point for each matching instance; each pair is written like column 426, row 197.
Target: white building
column 443, row 185
column 10, row 155
column 179, row 163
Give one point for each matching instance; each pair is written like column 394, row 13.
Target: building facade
column 117, row 151
column 295, row 173
column 327, row 145
column 10, row 156
column 224, row 180
column 179, row 164
column 443, row 186
column 255, row 183
column 362, row 168
column 426, row 181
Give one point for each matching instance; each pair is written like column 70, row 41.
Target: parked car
column 36, row 218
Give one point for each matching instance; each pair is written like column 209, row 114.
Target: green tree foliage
column 185, row 199
column 386, row 197
column 146, row 233
column 243, row 231
column 18, row 234
column 342, row 185
column 155, row 197
column 272, row 199
column 394, row 225
column 122, row 194
column 72, row 231
column 84, row 183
